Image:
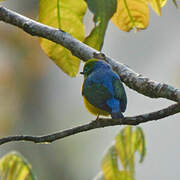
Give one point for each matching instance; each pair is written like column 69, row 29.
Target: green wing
column 120, row 93
column 96, row 94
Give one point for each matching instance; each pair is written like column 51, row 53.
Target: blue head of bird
column 93, row 65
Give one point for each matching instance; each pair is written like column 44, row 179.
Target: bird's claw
column 97, row 119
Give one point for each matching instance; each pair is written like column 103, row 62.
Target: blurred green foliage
column 127, row 143
column 13, row 166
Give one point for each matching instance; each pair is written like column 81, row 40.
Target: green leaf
column 103, row 11
column 71, row 14
column 131, row 14
column 175, row 3
column 13, row 166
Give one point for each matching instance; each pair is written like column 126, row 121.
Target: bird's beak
column 81, row 72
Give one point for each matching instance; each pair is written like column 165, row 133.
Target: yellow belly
column 92, row 109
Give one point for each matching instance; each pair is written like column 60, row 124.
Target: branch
column 132, row 79
column 102, row 122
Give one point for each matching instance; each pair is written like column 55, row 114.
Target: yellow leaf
column 124, row 147
column 127, row 143
column 141, row 147
column 110, row 168
column 163, row 2
column 120, row 145
column 125, row 175
column 157, row 4
column 131, row 14
column 71, row 15
column 14, row 167
column 109, row 165
column 122, row 175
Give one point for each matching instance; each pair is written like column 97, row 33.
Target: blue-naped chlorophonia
column 103, row 92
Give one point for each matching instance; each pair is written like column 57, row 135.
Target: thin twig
column 100, row 123
column 132, row 79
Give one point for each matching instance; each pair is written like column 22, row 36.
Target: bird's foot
column 97, row 119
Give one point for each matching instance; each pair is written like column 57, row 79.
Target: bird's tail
column 115, row 106
column 117, row 115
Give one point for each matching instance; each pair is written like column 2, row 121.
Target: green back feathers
column 120, row 93
column 96, row 94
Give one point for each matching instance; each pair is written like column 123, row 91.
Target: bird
column 102, row 90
